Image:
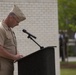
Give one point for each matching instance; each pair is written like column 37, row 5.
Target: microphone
column 28, row 33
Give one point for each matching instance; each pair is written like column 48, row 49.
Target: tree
column 67, row 14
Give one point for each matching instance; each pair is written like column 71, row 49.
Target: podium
column 41, row 62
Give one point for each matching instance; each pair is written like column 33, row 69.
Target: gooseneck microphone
column 25, row 31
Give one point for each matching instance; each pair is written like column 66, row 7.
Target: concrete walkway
column 70, row 59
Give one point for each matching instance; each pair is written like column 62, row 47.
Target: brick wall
column 41, row 21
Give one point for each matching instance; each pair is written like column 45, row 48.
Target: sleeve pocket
column 8, row 35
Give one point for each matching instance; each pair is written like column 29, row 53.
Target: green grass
column 68, row 72
column 67, row 62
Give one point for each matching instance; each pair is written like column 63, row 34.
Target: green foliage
column 71, row 51
column 67, row 14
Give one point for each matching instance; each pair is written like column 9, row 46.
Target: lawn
column 68, row 72
column 68, row 68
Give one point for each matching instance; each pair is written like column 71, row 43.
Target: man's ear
column 10, row 17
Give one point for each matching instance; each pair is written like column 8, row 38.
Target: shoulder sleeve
column 2, row 37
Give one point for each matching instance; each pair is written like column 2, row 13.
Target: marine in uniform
column 8, row 44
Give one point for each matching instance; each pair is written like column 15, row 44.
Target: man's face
column 13, row 21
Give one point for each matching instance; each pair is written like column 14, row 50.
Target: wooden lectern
column 41, row 62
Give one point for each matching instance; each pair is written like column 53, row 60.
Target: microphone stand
column 29, row 36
